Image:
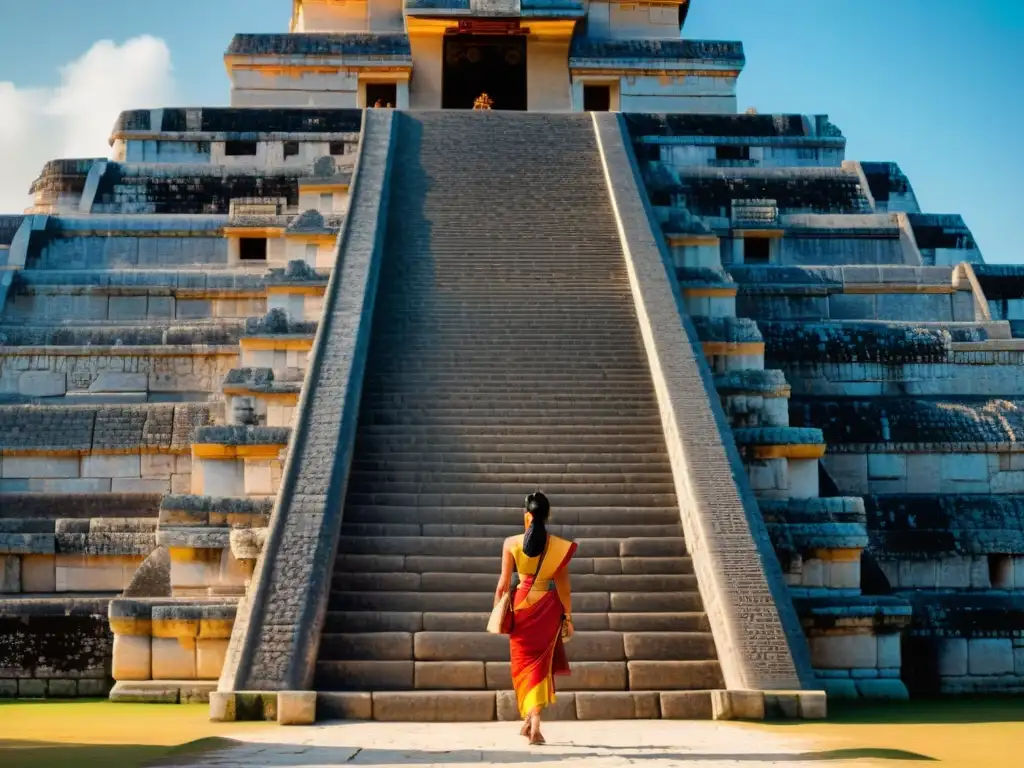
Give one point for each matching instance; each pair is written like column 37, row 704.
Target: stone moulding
column 237, row 122
column 757, row 632
column 276, row 635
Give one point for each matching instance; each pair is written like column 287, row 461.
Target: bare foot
column 525, row 730
column 536, row 738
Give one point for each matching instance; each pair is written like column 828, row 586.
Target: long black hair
column 536, row 537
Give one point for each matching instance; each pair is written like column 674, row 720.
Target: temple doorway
column 477, row 64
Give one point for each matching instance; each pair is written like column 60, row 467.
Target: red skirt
column 537, row 650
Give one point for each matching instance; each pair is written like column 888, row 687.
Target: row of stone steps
column 639, row 566
column 599, row 515
column 449, row 546
column 443, row 581
column 636, row 675
column 483, row 706
column 471, row 621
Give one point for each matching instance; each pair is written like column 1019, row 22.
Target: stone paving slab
column 600, row 744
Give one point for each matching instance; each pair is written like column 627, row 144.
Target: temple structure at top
column 537, row 55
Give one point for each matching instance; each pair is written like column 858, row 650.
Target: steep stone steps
column 442, row 581
column 499, row 516
column 460, row 602
column 412, row 621
column 505, row 357
column 583, row 565
column 447, row 546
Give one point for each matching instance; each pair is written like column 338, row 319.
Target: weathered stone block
column 918, row 573
column 674, row 675
column 450, row 675
column 990, row 656
column 886, row 466
column 969, row 467
column 43, row 383
column 784, row 705
column 127, row 307
column 924, row 473
column 337, row 705
column 862, row 672
column 111, row 466
column 210, row 653
column 813, row 705
column 197, row 692
column 953, row 573
column 146, row 692
column 29, row 688
column 38, row 573
column 686, row 705
column 40, row 466
column 889, row 650
column 803, row 478
column 979, row 573
column 424, row 706
column 594, row 705
column 158, row 465
column 160, row 307
column 92, row 689
column 223, row 707
column 62, row 689
column 589, row 675
column 843, row 574
column 844, row 651
column 813, row 573
column 137, row 485
column 296, row 707
column 112, row 381
column 174, row 658
column 132, row 658
column 10, row 574
column 1018, row 661
column 952, row 657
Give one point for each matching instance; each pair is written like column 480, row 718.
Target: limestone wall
column 92, row 252
column 54, row 649
column 52, row 371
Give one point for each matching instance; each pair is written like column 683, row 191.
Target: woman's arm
column 564, row 590
column 505, row 580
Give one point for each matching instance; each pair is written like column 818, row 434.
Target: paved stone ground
column 650, row 743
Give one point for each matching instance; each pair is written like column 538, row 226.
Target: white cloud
column 74, row 119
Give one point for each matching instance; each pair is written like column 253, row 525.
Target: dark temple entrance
column 491, row 64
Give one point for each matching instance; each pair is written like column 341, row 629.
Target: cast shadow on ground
column 297, row 756
column 43, row 754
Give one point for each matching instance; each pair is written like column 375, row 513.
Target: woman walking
column 542, row 611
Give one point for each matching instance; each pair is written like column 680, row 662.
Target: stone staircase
column 506, row 357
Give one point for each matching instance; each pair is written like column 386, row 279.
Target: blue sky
column 936, row 85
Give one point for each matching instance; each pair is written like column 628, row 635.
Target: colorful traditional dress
column 536, row 638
